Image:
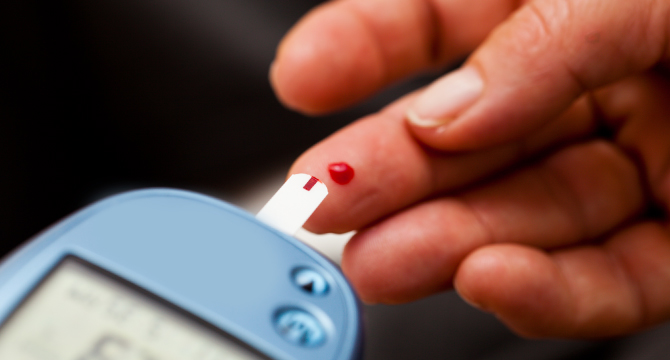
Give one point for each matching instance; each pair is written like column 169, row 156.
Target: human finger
column 393, row 171
column 343, row 51
column 593, row 291
column 575, row 195
column 534, row 65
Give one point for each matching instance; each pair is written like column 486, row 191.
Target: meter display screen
column 80, row 312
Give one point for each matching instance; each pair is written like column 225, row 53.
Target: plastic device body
column 203, row 257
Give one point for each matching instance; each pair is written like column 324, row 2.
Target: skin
column 545, row 202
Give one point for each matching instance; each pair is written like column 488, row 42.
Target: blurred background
column 98, row 97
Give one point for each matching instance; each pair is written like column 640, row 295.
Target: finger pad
column 521, row 285
column 329, row 60
column 380, row 186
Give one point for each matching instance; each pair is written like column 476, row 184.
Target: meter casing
column 204, row 256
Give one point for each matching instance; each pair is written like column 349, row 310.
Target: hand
column 535, row 179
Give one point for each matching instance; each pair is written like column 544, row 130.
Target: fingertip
column 520, row 285
column 479, row 278
column 292, row 89
column 379, row 186
column 434, row 116
column 331, row 215
column 446, row 98
column 472, row 279
column 326, row 62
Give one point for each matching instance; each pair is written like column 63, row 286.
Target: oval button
column 310, row 281
column 300, row 327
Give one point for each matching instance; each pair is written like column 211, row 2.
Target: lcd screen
column 79, row 312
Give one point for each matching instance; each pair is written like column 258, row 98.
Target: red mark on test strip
column 310, row 183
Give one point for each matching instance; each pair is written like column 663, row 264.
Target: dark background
column 101, row 96
column 98, row 97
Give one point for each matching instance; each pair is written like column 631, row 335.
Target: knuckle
column 538, row 23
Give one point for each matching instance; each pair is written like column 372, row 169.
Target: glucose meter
column 169, row 274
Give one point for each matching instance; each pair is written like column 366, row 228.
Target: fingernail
column 446, row 98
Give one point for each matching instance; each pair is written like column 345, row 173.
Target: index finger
column 392, row 170
column 343, row 51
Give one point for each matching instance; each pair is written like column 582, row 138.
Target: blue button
column 310, row 281
column 300, row 327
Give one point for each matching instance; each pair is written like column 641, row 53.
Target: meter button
column 310, row 281
column 300, row 327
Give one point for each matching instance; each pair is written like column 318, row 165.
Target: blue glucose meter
column 167, row 275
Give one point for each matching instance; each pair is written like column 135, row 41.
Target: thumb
column 533, row 66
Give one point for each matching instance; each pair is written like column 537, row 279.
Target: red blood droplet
column 341, row 172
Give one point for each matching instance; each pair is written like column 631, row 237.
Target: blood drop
column 341, row 172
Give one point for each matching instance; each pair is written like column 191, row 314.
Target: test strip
column 293, row 203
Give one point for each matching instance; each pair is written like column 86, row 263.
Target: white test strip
column 293, row 203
